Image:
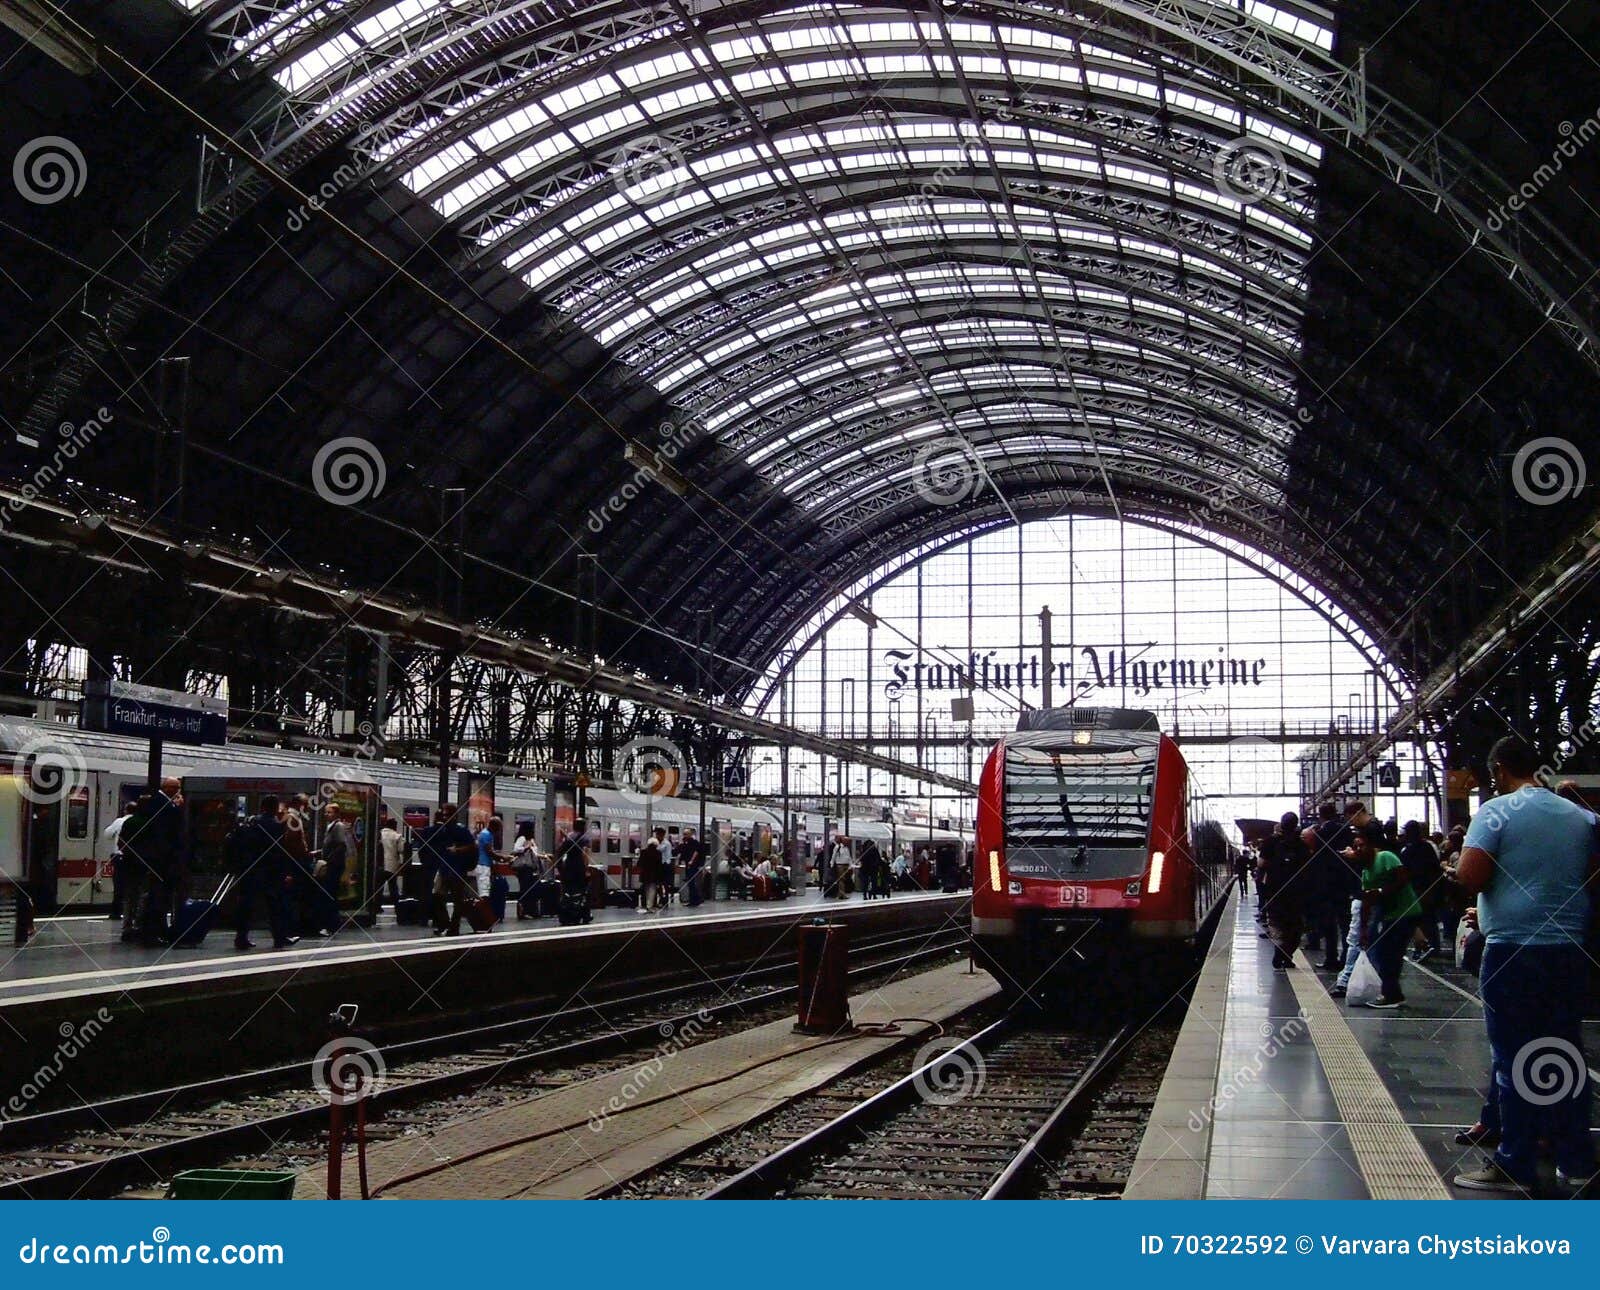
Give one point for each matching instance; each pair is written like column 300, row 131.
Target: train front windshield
column 1077, row 813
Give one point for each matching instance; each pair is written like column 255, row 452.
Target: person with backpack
column 1332, row 886
column 1284, row 860
column 1422, row 863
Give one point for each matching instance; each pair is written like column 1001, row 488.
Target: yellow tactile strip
column 546, row 1147
column 1392, row 1161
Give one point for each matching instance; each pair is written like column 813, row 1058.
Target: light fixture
column 994, row 871
column 1081, row 738
column 1158, row 864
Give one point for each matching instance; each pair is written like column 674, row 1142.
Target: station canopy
column 889, row 272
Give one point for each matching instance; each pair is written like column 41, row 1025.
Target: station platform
column 1278, row 1090
column 212, row 1010
column 589, row 1137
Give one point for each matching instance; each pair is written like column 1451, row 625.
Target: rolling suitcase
column 622, row 898
column 408, row 912
column 573, row 908
column 195, row 918
column 479, row 913
column 499, row 893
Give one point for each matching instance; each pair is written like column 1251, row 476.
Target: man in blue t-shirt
column 1528, row 856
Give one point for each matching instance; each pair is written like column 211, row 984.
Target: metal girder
column 1338, row 103
column 228, row 574
column 1275, row 75
column 1528, row 608
column 775, row 371
column 802, row 268
column 784, row 307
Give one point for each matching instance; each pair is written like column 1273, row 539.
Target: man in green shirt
column 1390, row 910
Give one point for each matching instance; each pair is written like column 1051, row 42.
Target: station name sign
column 146, row 712
column 1078, row 670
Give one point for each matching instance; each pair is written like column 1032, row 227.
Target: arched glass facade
column 1248, row 665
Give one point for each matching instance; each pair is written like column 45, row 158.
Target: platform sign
column 122, row 708
column 560, row 809
column 475, row 792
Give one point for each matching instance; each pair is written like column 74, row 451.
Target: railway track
column 105, row 1148
column 1014, row 1110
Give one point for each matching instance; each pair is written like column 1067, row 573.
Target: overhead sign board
column 147, row 712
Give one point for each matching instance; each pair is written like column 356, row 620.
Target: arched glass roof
column 831, row 232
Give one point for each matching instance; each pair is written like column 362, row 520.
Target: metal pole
column 783, row 770
column 1046, row 646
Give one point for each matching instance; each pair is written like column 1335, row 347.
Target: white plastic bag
column 1366, row 986
column 1463, row 932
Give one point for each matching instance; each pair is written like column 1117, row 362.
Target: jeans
column 691, row 885
column 1533, row 999
column 1388, row 951
column 1352, row 944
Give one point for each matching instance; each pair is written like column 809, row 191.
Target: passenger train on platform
column 53, row 834
column 1095, row 853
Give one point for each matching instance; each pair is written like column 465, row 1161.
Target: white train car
column 54, row 829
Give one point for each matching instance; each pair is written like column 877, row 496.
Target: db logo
column 1074, row 895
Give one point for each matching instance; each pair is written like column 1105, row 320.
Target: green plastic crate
column 232, row 1184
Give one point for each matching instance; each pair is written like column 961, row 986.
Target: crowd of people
column 1514, row 886
column 269, row 861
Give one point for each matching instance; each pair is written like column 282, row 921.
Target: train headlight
column 1158, row 864
column 994, row 871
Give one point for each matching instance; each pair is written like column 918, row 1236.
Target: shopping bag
column 1365, row 984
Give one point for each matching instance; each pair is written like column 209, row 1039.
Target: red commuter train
column 1094, row 853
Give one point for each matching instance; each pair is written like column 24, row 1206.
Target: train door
column 77, row 870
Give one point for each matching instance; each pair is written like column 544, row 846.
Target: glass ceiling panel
column 1053, row 253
